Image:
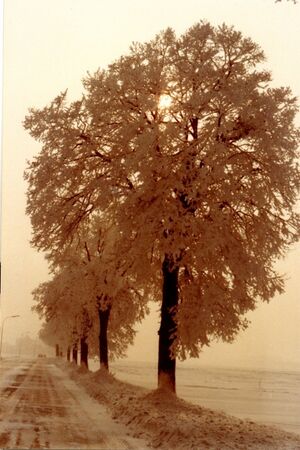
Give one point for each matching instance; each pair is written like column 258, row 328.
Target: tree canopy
column 184, row 147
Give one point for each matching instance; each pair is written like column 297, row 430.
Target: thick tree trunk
column 69, row 353
column 166, row 362
column 74, row 353
column 84, row 351
column 57, row 350
column 103, row 342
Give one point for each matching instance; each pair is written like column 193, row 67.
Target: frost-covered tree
column 64, row 203
column 185, row 146
column 52, row 334
column 208, row 149
column 88, row 299
column 59, row 302
column 120, row 301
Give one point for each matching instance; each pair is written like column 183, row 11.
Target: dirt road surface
column 40, row 407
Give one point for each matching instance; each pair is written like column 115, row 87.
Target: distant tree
column 83, row 293
column 58, row 314
column 187, row 149
column 120, row 301
column 48, row 334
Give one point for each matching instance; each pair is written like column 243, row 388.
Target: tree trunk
column 103, row 342
column 57, row 350
column 74, row 353
column 166, row 362
column 69, row 353
column 84, row 350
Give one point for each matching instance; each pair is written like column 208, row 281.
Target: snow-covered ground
column 9, row 370
column 164, row 421
column 271, row 398
column 41, row 407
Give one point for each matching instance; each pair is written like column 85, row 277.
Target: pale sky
column 49, row 45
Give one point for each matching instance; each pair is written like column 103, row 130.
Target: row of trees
column 77, row 307
column 172, row 179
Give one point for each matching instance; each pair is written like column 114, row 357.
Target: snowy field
column 167, row 422
column 267, row 397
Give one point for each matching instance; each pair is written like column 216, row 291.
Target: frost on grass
column 168, row 422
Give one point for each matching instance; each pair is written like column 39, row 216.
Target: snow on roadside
column 167, row 422
column 8, row 374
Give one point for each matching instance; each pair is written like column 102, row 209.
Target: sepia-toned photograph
column 150, row 224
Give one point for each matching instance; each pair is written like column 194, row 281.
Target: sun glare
column 165, row 101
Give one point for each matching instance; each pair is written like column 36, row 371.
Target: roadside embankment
column 167, row 422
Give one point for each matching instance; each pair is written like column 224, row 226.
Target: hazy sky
column 49, row 45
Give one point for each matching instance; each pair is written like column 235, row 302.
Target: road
column 40, row 407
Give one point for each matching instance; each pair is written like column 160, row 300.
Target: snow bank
column 167, row 422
